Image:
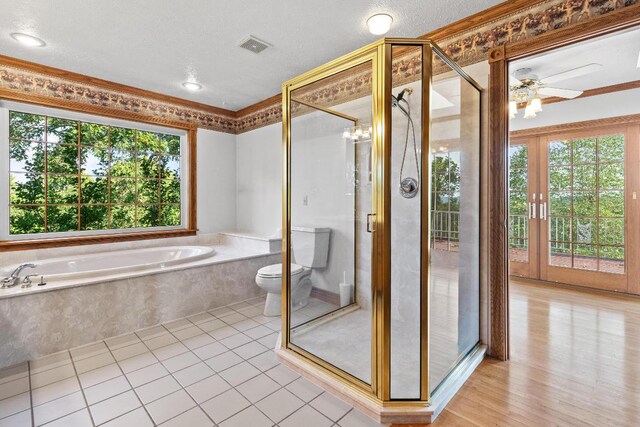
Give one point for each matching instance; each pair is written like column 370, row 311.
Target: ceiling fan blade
column 570, row 74
column 514, row 82
column 561, row 93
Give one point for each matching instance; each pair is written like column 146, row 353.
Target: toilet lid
column 275, row 270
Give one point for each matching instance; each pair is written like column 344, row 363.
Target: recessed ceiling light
column 192, row 86
column 28, row 40
column 379, row 24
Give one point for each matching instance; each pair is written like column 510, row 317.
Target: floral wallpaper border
column 465, row 48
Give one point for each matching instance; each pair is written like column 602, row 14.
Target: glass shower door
column 331, row 190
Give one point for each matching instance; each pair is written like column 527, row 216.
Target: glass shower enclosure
column 381, row 219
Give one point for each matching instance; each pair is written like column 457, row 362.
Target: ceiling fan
column 526, row 87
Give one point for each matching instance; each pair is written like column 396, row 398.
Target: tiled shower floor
column 213, row 369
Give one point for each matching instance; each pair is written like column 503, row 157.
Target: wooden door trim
column 586, row 125
column 498, row 342
column 632, row 217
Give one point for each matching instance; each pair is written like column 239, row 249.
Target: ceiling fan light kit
column 527, row 87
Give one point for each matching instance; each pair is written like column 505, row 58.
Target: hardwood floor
column 575, row 361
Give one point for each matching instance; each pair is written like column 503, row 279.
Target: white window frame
column 7, row 106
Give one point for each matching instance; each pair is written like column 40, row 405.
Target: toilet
column 310, row 249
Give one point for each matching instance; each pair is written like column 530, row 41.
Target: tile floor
column 216, row 368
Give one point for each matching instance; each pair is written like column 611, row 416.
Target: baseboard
column 326, row 296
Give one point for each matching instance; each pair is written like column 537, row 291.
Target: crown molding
column 466, row 41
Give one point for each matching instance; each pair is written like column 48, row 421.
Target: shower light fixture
column 192, row 86
column 379, row 23
column 357, row 133
column 28, row 40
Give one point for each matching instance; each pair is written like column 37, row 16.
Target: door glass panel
column 586, row 204
column 331, row 195
column 518, row 203
column 406, row 168
column 454, row 297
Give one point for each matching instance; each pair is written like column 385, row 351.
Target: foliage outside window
column 69, row 175
column 445, row 202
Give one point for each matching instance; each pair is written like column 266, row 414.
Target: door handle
column 370, row 223
column 532, row 210
column 543, row 211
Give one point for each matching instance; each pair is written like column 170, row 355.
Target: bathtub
column 112, row 263
column 92, row 296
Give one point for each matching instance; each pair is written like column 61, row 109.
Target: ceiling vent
column 254, row 44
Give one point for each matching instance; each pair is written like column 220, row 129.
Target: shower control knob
column 409, row 188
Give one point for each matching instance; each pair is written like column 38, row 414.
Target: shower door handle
column 370, row 223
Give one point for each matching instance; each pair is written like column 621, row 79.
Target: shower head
column 395, row 99
column 408, row 91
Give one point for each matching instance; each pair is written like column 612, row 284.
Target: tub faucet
column 11, row 281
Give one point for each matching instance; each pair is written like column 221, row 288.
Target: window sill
column 22, row 245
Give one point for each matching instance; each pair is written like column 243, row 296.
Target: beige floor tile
column 223, row 361
column 122, row 341
column 248, row 417
column 135, row 418
column 58, row 408
column 304, row 389
column 169, row 351
column 193, row 374
column 239, row 373
column 279, row 405
column 358, row 419
column 225, row 405
column 282, row 375
column 93, row 362
column 170, row 406
column 129, row 351
column 99, row 375
column 210, row 350
column 258, row 388
column 330, row 406
column 105, row 390
column 114, row 407
column 307, row 417
column 80, row 418
column 157, row 389
column 15, row 404
column 207, row 388
column 194, row 417
column 180, row 362
column 147, row 374
column 54, row 391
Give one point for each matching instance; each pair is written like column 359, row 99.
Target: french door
column 573, row 214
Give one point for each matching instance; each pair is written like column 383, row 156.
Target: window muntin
column 70, row 176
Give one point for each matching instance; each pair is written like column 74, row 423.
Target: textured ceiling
column 617, row 53
column 158, row 44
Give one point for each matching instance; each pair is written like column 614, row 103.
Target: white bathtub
column 112, row 263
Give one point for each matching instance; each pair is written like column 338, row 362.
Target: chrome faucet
column 11, row 281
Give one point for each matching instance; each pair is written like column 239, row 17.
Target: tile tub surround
column 47, row 322
column 246, row 241
column 213, row 368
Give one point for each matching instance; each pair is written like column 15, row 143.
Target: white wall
column 259, row 180
column 216, row 181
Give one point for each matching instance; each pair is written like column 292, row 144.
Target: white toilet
column 310, row 249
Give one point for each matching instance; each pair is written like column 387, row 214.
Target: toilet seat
column 275, row 270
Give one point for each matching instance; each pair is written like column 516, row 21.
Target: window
column 78, row 176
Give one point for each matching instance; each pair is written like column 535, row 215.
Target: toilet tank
column 310, row 246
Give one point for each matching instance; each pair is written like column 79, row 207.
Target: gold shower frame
column 380, row 55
